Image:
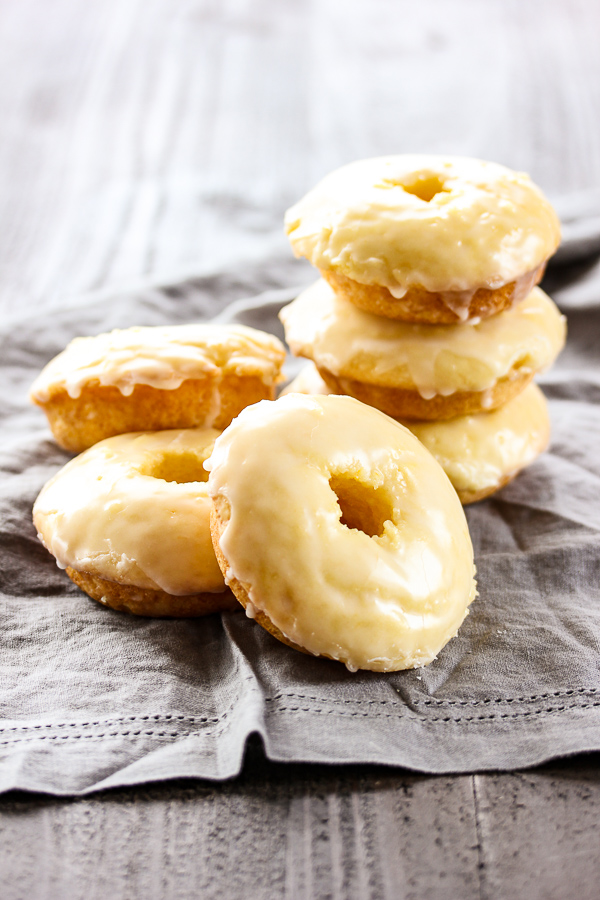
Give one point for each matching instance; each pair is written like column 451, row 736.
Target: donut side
column 102, row 411
column 149, row 378
column 422, row 306
column 445, row 224
column 415, row 371
column 483, row 453
column 154, row 603
column 401, row 403
column 218, row 521
column 468, row 497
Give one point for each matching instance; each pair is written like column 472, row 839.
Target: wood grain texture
column 311, row 832
column 279, row 831
column 145, row 138
column 538, row 832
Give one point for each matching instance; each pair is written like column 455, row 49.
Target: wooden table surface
column 126, row 127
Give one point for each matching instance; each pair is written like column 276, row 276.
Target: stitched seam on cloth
column 168, row 717
column 213, row 732
column 348, row 715
column 434, row 701
column 416, row 718
column 308, row 709
column 119, row 719
column 156, row 717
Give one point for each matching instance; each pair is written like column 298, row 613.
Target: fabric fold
column 93, row 699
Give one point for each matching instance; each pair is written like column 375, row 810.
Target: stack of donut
column 332, row 525
column 129, row 518
column 329, row 521
column 427, row 307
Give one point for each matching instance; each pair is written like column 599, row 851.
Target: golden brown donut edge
column 468, row 497
column 425, row 307
column 219, row 517
column 102, row 411
column 147, row 602
column 401, row 403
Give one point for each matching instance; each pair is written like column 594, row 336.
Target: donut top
column 432, row 359
column 476, row 452
column 135, row 509
column 383, row 589
column 443, row 223
column 162, row 357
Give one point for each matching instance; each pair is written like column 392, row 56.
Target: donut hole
column 523, row 362
column 362, row 507
column 424, row 185
column 183, row 467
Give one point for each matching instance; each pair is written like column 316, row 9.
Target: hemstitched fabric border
column 203, row 719
column 369, row 714
column 517, row 686
column 308, row 709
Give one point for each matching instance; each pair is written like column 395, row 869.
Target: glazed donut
column 412, row 371
column 154, row 378
column 426, row 238
column 480, row 453
column 129, row 520
column 339, row 533
column 307, row 381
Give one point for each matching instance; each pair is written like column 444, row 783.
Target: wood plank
column 298, row 831
column 146, row 139
column 539, row 832
column 278, row 831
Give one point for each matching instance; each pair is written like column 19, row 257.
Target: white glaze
column 161, row 357
column 485, row 228
column 103, row 515
column 431, row 359
column 476, row 452
column 383, row 603
column 480, row 451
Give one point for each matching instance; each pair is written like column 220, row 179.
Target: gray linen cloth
column 93, row 698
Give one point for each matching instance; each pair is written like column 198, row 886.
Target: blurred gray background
column 156, row 139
